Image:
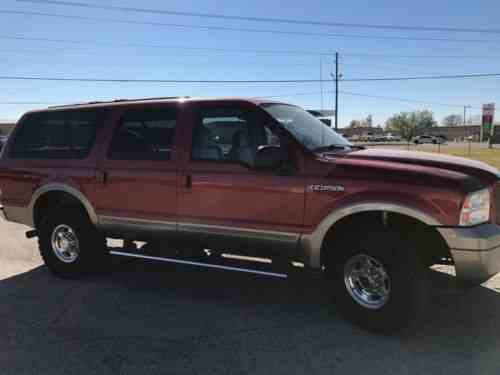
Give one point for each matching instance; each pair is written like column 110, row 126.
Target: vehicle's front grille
column 497, row 202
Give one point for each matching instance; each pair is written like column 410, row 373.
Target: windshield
column 307, row 129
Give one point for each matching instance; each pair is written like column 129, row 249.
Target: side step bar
column 199, row 264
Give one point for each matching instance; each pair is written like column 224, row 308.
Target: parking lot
column 152, row 319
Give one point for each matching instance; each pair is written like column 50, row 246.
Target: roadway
column 149, row 319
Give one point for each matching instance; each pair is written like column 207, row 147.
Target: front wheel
column 70, row 245
column 378, row 282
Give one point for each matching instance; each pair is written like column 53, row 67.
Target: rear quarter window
column 56, row 135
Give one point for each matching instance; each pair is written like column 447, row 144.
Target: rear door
column 137, row 176
column 223, row 200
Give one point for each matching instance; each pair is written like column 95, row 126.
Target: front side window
column 56, row 135
column 230, row 135
column 307, row 129
column 144, row 134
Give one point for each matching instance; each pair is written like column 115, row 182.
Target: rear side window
column 144, row 134
column 56, row 135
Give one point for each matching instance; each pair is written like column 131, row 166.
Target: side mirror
column 268, row 157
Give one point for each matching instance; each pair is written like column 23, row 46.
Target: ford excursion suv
column 254, row 186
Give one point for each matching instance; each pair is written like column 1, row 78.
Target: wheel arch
column 65, row 190
column 311, row 245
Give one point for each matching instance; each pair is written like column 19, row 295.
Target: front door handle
column 102, row 177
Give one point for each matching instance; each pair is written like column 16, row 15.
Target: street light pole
column 321, row 80
column 466, row 130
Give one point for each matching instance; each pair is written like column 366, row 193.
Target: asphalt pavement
column 154, row 319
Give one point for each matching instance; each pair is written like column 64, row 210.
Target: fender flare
column 65, row 189
column 310, row 244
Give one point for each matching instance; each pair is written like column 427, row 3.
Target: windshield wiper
column 335, row 147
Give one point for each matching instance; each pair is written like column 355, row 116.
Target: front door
column 223, row 200
column 137, row 184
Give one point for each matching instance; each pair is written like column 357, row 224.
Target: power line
column 385, row 55
column 368, row 96
column 185, row 57
column 126, row 80
column 387, row 66
column 261, row 19
column 234, row 50
column 413, row 78
column 230, row 50
column 251, row 30
column 404, row 99
column 161, row 46
column 292, row 95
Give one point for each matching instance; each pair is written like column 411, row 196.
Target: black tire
column 92, row 255
column 407, row 274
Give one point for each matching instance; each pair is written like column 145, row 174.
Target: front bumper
column 475, row 251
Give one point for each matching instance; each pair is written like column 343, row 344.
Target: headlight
column 476, row 208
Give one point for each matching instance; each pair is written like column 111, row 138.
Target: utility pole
column 336, row 91
column 321, row 80
column 465, row 120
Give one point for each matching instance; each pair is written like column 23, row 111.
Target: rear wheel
column 378, row 282
column 70, row 245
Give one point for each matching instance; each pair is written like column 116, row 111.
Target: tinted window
column 230, row 135
column 56, row 135
column 144, row 134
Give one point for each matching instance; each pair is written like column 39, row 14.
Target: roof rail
column 120, row 101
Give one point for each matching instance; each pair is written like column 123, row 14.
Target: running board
column 199, row 264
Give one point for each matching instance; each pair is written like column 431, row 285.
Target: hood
column 422, row 160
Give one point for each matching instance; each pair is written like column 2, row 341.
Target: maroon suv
column 249, row 185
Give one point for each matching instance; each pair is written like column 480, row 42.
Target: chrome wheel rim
column 367, row 281
column 65, row 243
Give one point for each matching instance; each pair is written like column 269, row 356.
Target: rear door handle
column 189, row 182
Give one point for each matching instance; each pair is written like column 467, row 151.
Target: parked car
column 378, row 138
column 422, row 139
column 392, row 138
column 249, row 180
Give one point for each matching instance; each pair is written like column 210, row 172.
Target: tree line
column 410, row 124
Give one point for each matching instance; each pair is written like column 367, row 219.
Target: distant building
column 363, row 131
column 458, row 133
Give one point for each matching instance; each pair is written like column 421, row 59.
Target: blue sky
column 99, row 54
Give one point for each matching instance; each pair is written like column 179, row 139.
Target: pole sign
column 488, row 113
